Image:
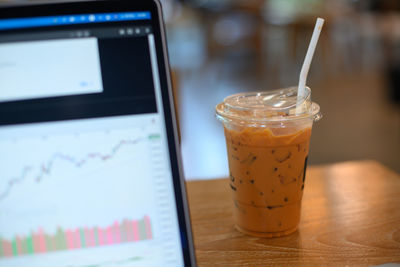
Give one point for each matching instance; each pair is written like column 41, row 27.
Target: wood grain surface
column 350, row 216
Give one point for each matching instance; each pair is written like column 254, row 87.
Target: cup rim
column 229, row 110
column 315, row 115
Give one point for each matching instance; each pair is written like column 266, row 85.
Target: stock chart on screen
column 73, row 190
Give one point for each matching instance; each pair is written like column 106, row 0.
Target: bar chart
column 69, row 239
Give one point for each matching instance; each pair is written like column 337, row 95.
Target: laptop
column 90, row 166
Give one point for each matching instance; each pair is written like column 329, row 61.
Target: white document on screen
column 38, row 69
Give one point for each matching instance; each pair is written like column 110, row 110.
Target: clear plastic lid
column 268, row 107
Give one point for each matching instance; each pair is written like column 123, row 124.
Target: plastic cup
column 267, row 142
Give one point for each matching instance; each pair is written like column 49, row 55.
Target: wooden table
column 350, row 216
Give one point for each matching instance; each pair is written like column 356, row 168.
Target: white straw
column 301, row 90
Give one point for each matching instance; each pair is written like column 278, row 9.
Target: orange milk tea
column 267, row 138
column 267, row 174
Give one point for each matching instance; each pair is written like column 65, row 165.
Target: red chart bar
column 7, row 248
column 70, row 239
column 135, row 230
column 102, row 237
column 77, row 238
column 41, row 241
column 117, row 233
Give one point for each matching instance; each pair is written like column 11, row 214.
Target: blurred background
column 221, row 47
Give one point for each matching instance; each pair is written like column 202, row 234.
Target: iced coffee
column 267, row 136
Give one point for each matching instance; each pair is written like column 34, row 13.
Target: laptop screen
column 86, row 174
